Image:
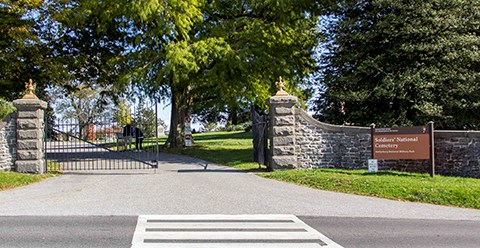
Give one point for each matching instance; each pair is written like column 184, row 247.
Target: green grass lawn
column 10, row 180
column 235, row 149
column 449, row 191
column 54, row 168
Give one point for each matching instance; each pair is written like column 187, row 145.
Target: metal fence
column 98, row 145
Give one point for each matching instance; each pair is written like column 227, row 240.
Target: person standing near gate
column 138, row 139
column 127, row 136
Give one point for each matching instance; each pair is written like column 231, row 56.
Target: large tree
column 87, row 39
column 267, row 39
column 187, row 50
column 395, row 62
column 23, row 55
column 228, row 50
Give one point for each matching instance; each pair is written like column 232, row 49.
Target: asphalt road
column 117, row 231
column 100, row 208
column 382, row 232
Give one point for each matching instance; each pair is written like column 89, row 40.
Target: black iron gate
column 260, row 138
column 100, row 145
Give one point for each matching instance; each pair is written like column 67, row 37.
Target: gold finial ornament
column 30, row 86
column 281, row 85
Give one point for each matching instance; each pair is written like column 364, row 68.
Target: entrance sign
column 401, row 143
column 416, row 143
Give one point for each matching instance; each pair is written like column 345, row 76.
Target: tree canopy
column 383, row 61
column 402, row 63
column 21, row 53
column 227, row 51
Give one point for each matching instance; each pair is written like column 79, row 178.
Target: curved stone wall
column 324, row 145
column 321, row 145
column 299, row 141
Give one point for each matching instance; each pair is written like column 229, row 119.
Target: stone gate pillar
column 282, row 129
column 30, row 134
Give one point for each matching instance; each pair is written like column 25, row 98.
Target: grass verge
column 54, row 168
column 440, row 190
column 235, row 149
column 10, row 180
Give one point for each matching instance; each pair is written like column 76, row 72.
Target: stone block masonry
column 30, row 136
column 282, row 142
column 458, row 153
column 320, row 145
column 301, row 142
column 8, row 142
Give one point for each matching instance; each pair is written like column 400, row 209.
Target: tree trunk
column 181, row 104
column 175, row 139
column 234, row 115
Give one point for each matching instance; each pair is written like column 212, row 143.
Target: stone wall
column 458, row 153
column 321, row 145
column 299, row 141
column 330, row 146
column 8, row 142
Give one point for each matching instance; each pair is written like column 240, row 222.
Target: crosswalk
column 227, row 231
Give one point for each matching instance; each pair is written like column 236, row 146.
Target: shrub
column 247, row 126
column 6, row 108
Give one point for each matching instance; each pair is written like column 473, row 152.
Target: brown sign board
column 401, row 143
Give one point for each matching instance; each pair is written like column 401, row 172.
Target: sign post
column 432, row 149
column 372, row 163
column 372, row 133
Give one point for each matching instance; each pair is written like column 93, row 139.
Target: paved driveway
column 182, row 186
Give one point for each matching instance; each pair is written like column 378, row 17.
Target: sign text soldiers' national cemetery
column 413, row 143
column 401, row 143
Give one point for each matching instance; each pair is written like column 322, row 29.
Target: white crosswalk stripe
column 215, row 231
